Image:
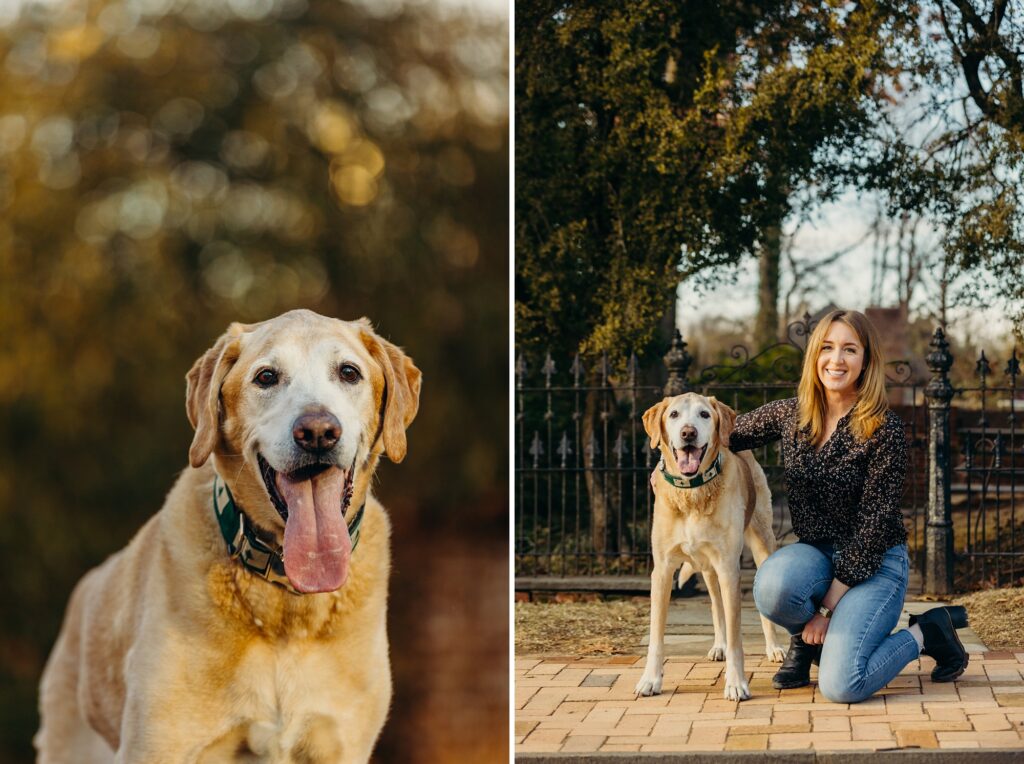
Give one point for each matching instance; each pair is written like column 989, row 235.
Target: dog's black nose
column 317, row 431
column 688, row 432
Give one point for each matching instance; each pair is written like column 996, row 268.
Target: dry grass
column 618, row 626
column 997, row 616
column 581, row 628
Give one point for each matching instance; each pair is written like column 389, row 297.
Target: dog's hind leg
column 761, row 540
column 661, row 591
column 717, row 651
column 65, row 736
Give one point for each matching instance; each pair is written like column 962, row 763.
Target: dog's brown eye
column 673, row 414
column 705, row 414
column 266, row 378
column 349, row 373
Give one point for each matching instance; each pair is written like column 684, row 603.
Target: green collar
column 243, row 543
column 697, row 480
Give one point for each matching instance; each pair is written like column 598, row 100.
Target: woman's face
column 841, row 360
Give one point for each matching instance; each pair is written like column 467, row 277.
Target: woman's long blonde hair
column 872, row 403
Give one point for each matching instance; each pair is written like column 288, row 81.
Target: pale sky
column 847, row 281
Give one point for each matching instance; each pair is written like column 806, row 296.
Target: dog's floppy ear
column 652, row 421
column 401, row 391
column 726, row 421
column 202, row 392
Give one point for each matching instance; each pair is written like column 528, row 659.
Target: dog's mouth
column 312, row 501
column 688, row 459
column 310, row 471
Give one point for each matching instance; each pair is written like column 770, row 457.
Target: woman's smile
column 840, row 361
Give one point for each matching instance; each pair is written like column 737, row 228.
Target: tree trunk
column 766, row 328
column 593, row 461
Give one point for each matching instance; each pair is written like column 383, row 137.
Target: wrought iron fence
column 583, row 503
column 988, row 477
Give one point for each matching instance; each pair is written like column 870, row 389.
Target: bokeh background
column 167, row 167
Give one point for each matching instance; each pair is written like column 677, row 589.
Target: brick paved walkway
column 571, row 704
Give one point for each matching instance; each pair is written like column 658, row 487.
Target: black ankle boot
column 957, row 615
column 796, row 668
column 941, row 642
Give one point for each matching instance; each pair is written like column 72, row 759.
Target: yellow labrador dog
column 246, row 620
column 708, row 500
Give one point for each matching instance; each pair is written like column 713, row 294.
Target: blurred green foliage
column 167, row 168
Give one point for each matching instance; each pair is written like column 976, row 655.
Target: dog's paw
column 648, row 685
column 737, row 689
column 775, row 653
column 716, row 653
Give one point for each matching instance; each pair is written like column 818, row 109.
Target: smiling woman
column 839, row 590
column 844, row 372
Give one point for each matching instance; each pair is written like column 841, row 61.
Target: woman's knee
column 786, row 580
column 772, row 596
column 845, row 685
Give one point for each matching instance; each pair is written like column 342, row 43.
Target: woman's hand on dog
column 814, row 630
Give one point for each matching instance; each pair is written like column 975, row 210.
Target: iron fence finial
column 564, row 448
column 548, row 370
column 677, row 361
column 592, row 449
column 983, row 368
column 536, row 449
column 576, row 369
column 939, row 362
column 1013, row 368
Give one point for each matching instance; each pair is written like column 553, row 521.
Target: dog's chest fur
column 278, row 698
column 692, row 525
column 695, row 536
column 287, row 677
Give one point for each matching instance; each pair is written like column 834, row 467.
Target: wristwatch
column 824, row 612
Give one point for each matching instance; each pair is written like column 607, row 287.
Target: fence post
column 939, row 528
column 677, row 361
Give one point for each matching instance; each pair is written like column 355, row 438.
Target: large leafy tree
column 659, row 141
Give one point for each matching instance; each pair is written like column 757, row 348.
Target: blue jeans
column 860, row 655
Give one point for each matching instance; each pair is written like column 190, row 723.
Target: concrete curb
column 901, row 756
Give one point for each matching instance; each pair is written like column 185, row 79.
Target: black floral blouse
column 847, row 494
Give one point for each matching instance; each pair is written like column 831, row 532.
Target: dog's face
column 691, row 428
column 295, row 412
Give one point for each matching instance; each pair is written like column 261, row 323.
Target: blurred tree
column 164, row 173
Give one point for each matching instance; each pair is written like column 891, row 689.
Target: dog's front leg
column 661, row 590
column 717, row 651
column 736, row 687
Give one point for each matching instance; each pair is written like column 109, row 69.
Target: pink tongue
column 688, row 460
column 316, row 541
